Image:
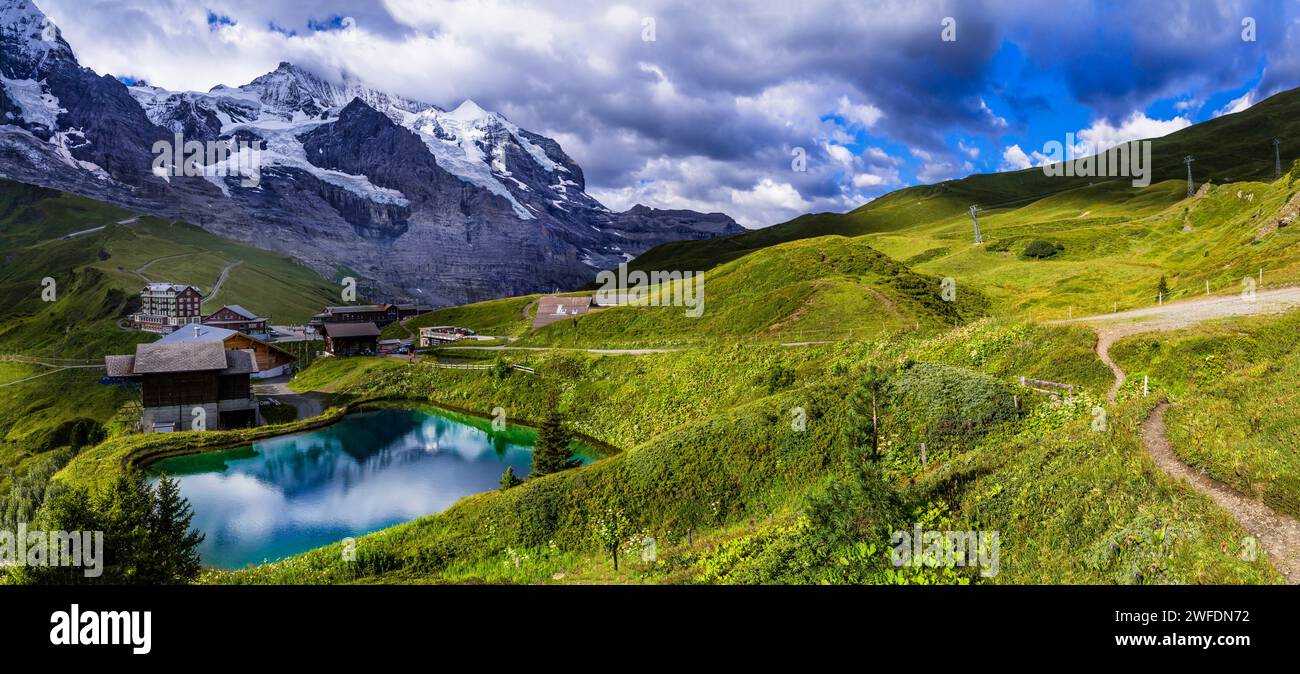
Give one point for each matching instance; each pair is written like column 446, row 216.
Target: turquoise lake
column 286, row 495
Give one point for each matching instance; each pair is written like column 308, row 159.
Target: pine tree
column 551, row 454
column 1163, row 287
column 174, row 545
column 509, row 479
column 146, row 534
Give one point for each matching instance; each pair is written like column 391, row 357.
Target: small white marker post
column 1144, row 386
column 1160, row 299
column 922, row 455
column 1261, row 277
column 1207, row 287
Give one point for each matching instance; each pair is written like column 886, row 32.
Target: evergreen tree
column 146, row 534
column 509, row 479
column 174, row 545
column 551, row 454
column 1163, row 287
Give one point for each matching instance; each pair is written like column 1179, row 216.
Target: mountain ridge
column 497, row 210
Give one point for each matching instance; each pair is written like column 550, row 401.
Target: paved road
column 216, row 288
column 100, row 228
column 1186, row 313
column 140, row 271
column 54, row 367
column 616, row 352
column 308, row 404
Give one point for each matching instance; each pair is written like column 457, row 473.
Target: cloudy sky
column 711, row 104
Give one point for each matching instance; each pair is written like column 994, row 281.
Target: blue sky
column 704, row 105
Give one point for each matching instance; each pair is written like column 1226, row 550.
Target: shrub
column 1039, row 249
column 779, row 377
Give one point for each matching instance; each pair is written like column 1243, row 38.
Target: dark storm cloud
column 708, row 113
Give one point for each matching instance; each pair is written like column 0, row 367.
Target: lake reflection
column 372, row 470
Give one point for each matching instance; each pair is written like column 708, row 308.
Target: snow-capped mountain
column 446, row 206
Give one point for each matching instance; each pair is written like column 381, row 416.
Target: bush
column 279, row 414
column 1039, row 249
column 779, row 377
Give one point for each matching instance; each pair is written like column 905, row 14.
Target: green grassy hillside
column 97, row 279
column 819, row 289
column 1234, row 386
column 1118, row 240
column 710, row 447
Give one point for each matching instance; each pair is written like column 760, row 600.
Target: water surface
column 374, row 469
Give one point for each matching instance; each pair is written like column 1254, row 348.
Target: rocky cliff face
column 442, row 206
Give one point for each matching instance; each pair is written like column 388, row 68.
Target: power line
column 979, row 238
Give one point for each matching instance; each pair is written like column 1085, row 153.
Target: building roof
column 360, row 329
column 186, row 356
column 351, row 329
column 552, row 309
column 240, row 361
column 357, row 307
column 120, row 366
column 190, row 356
column 197, row 332
column 239, row 310
column 164, row 287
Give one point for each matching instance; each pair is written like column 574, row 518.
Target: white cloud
column 863, row 180
column 839, row 153
column 1237, row 104
column 861, row 114
column 1015, row 159
column 1103, row 134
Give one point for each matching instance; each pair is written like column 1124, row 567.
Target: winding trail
column 1278, row 533
column 216, row 287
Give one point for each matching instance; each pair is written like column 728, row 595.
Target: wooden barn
column 272, row 361
column 237, row 318
column 351, row 339
column 191, row 385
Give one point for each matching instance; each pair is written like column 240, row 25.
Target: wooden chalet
column 272, row 361
column 237, row 318
column 351, row 339
column 381, row 315
column 179, row 379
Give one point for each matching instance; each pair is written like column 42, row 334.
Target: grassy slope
column 712, row 448
column 819, row 289
column 509, row 317
column 1234, row 388
column 96, row 285
column 1231, row 148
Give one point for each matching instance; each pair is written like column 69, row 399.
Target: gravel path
column 1277, row 533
